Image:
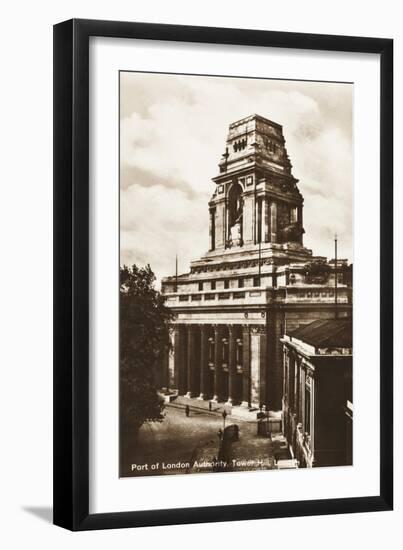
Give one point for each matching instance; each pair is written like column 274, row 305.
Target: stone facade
column 255, row 280
column 317, row 393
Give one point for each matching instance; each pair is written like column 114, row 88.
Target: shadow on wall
column 45, row 513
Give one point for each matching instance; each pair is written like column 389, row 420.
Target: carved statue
column 235, row 232
column 292, row 232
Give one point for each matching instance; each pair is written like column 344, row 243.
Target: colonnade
column 224, row 363
column 265, row 220
column 262, row 221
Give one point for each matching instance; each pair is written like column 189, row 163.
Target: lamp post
column 224, row 416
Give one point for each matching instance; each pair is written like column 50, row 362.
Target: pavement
column 233, row 412
column 182, row 444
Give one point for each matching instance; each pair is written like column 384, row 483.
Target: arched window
column 235, row 215
column 235, row 204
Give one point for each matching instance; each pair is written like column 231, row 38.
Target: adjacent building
column 317, row 393
column 255, row 282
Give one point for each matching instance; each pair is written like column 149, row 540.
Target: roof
column 333, row 333
column 254, row 117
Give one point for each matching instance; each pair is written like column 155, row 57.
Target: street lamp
column 224, row 416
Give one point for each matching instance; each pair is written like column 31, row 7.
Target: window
column 272, row 147
column 240, row 283
column 212, row 285
column 293, row 214
column 239, row 145
column 201, row 286
column 226, row 283
column 256, row 281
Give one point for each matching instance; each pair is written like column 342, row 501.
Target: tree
column 144, row 338
column 317, row 272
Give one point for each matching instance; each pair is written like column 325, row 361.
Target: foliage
column 144, row 338
column 317, row 269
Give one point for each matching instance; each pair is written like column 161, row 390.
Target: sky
column 173, row 131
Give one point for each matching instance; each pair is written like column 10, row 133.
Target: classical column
column 266, row 220
column 255, row 366
column 219, row 225
column 273, row 222
column 172, row 377
column 231, row 364
column 245, row 367
column 299, row 214
column 212, row 229
column 263, row 368
column 204, row 368
column 179, row 359
column 218, row 344
column 163, row 381
column 248, row 219
column 225, row 224
column 256, row 221
column 300, row 220
column 259, row 222
column 190, row 360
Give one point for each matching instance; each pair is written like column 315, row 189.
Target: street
column 182, row 444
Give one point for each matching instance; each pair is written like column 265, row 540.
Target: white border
column 108, row 493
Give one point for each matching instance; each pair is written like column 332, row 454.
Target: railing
column 318, row 294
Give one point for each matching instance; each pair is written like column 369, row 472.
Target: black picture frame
column 71, row 273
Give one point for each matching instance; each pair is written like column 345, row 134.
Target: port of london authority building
column 255, row 282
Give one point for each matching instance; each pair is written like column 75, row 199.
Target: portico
column 213, row 362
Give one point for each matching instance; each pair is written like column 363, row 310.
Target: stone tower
column 255, row 281
column 256, row 198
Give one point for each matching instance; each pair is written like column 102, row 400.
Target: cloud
column 132, row 174
column 157, row 223
column 173, row 132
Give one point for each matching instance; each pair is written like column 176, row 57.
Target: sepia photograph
column 236, row 274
